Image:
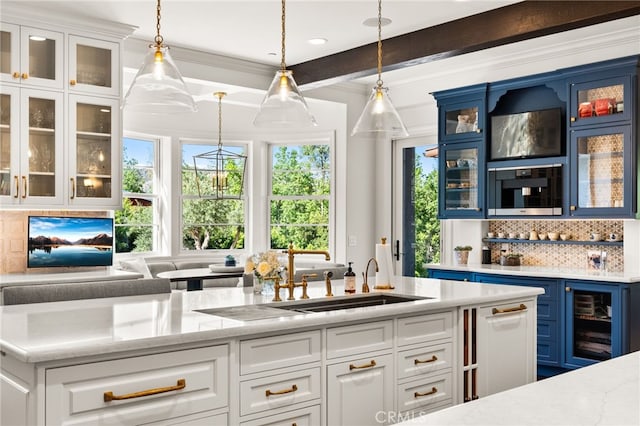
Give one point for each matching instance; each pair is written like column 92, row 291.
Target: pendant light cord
column 158, row 38
column 379, row 82
column 220, row 96
column 282, row 62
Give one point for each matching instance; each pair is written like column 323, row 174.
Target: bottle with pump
column 350, row 280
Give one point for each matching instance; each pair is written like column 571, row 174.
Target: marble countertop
column 44, row 332
column 602, row 394
column 545, row 271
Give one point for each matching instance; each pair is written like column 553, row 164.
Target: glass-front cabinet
column 93, row 151
column 94, row 66
column 461, row 120
column 461, row 181
column 602, row 172
column 601, row 101
column 593, row 322
column 31, row 56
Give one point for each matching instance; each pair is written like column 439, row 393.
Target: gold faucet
column 291, row 285
column 365, row 286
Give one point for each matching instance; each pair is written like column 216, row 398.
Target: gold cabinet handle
column 15, row 74
column 358, row 367
column 293, row 388
column 567, row 289
column 572, row 208
column 73, row 82
column 109, row 396
column 24, row 187
column 478, row 130
column 496, row 311
column 431, row 392
column 73, row 188
column 24, row 76
column 17, row 181
column 426, row 361
column 572, row 119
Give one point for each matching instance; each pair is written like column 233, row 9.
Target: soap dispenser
column 350, row 280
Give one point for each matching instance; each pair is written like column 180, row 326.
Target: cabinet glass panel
column 601, row 171
column 600, row 101
column 5, row 145
column 42, row 152
column 463, row 120
column 5, row 52
column 42, row 56
column 461, row 179
column 592, row 325
column 93, row 65
column 93, row 151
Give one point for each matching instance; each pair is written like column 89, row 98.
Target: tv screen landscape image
column 69, row 241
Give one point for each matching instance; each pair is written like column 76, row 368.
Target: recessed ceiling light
column 317, row 41
column 373, row 22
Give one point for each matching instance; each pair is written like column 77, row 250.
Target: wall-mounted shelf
column 570, row 242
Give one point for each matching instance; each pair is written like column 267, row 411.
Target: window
column 137, row 223
column 299, row 200
column 207, row 223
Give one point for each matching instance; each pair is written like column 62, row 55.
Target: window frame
column 331, row 198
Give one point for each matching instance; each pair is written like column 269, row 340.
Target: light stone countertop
column 545, row 272
column 603, row 394
column 55, row 331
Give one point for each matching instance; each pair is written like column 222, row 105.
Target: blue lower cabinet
column 442, row 274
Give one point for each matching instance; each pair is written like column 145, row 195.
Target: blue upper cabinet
column 461, row 113
column 602, row 101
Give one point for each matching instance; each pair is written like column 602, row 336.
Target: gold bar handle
column 431, row 392
column 358, row 367
column 432, row 359
column 293, row 388
column 17, row 181
column 73, row 188
column 109, row 396
column 496, row 311
column 24, row 187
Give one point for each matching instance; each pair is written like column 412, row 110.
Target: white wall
column 364, row 166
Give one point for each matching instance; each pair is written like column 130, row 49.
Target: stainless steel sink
column 347, row 302
column 248, row 312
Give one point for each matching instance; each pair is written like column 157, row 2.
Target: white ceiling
column 251, row 30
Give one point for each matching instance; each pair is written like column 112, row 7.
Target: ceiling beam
column 509, row 24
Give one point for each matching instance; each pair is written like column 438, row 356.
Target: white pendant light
column 158, row 87
column 283, row 105
column 379, row 115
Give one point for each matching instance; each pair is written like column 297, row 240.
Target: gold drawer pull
column 73, row 82
column 282, row 392
column 496, row 311
column 357, row 367
column 24, row 187
column 17, row 181
column 25, row 76
column 431, row 392
column 109, row 396
column 15, row 74
column 432, row 359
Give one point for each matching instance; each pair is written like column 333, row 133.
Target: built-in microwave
column 525, row 191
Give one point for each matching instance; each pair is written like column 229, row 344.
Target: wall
column 13, row 239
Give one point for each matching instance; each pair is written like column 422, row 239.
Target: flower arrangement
column 264, row 265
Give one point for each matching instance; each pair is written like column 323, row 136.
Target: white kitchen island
column 87, row 362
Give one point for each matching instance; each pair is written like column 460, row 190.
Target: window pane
column 138, row 161
column 301, row 170
column 300, row 212
column 134, row 226
column 303, row 222
column 310, row 237
column 212, row 224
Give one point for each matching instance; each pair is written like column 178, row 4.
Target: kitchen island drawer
column 424, row 360
column 425, row 328
column 268, row 353
column 279, row 391
column 360, row 338
column 145, row 388
column 429, row 392
column 308, row 416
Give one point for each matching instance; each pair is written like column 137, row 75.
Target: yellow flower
column 249, row 267
column 264, row 268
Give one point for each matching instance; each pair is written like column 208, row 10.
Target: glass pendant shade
column 380, row 116
column 283, row 105
column 158, row 87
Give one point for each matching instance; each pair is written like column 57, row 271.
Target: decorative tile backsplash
column 562, row 255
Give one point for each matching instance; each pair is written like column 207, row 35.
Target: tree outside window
column 300, row 196
column 136, row 223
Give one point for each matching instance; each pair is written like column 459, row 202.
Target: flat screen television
column 69, row 241
column 527, row 134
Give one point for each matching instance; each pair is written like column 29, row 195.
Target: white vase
column 461, row 257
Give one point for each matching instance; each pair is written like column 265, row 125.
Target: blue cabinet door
column 461, row 113
column 602, row 101
column 462, row 176
column 449, row 275
column 594, row 315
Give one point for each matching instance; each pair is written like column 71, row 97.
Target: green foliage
column 427, row 225
column 463, row 248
